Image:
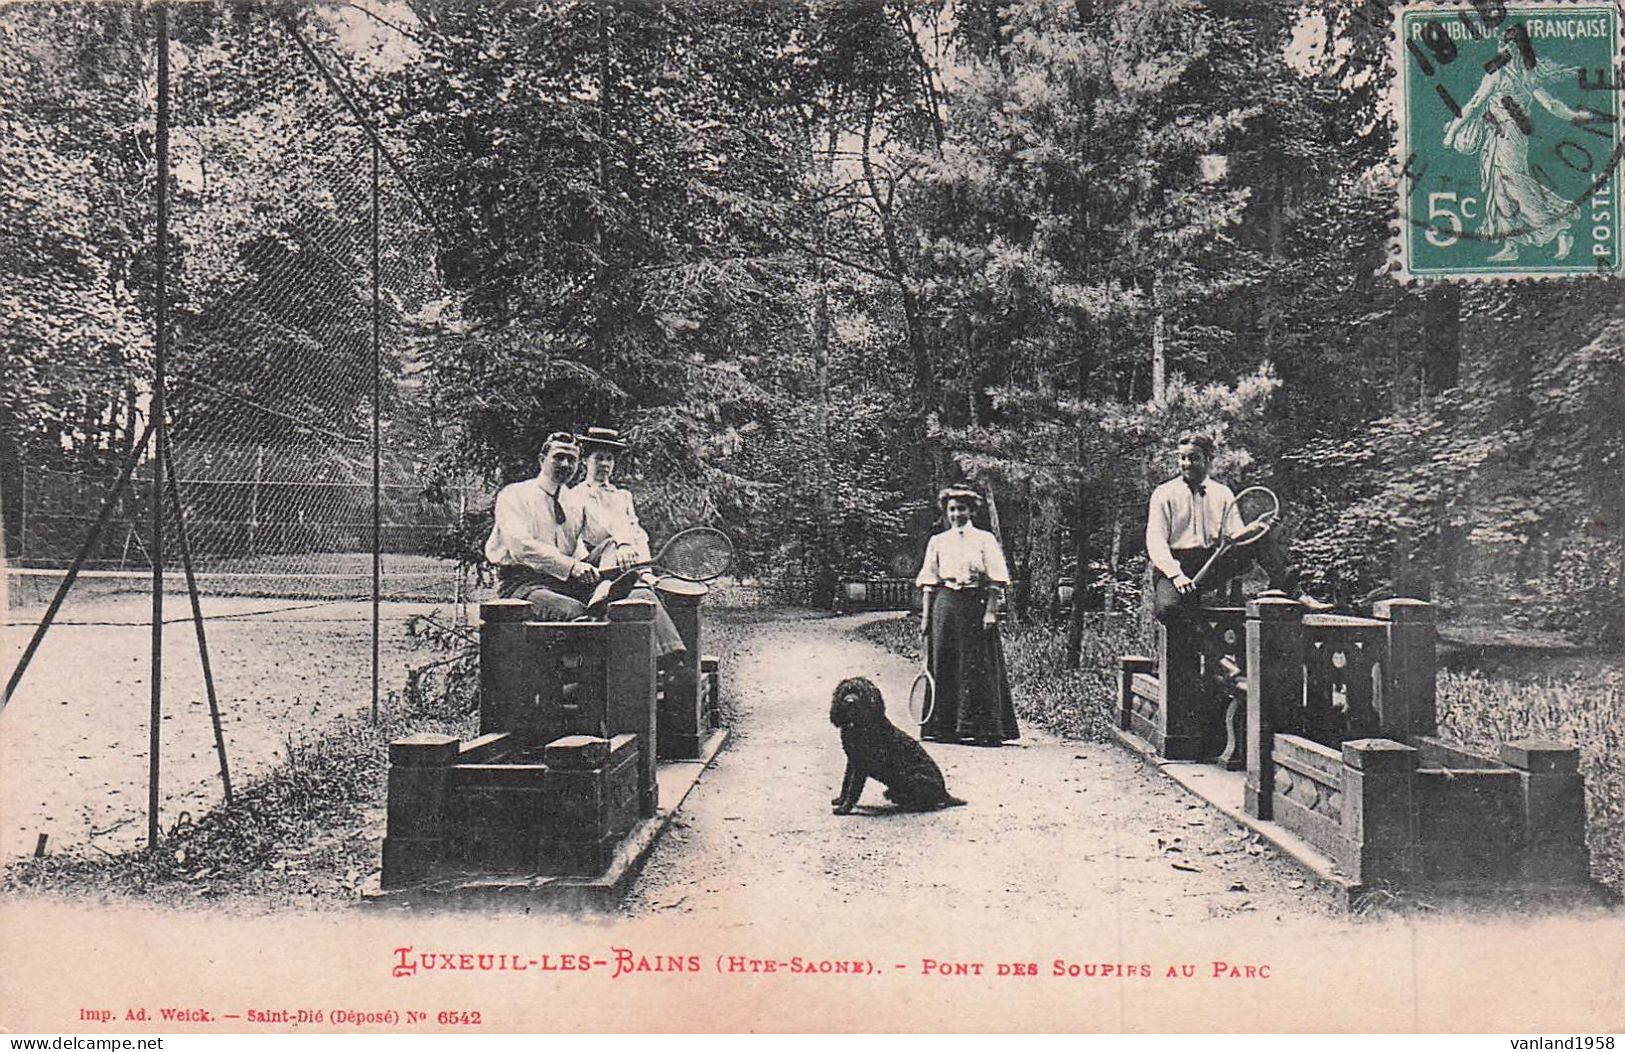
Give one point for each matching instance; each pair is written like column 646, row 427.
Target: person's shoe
column 1316, row 606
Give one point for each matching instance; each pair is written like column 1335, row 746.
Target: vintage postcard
column 1040, row 516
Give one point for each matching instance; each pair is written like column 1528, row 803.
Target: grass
column 1074, row 703
column 309, row 832
column 1572, row 700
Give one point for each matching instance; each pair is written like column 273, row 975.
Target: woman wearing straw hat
column 611, row 516
column 964, row 577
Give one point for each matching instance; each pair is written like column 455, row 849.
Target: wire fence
column 301, row 290
column 259, row 521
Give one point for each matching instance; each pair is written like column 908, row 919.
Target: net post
column 197, row 618
column 161, row 320
column 377, row 457
column 254, row 499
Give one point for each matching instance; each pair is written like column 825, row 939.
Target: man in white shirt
column 1182, row 532
column 536, row 541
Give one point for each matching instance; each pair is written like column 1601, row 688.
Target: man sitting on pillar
column 1182, row 532
column 536, row 544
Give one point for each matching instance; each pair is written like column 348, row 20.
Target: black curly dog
column 876, row 748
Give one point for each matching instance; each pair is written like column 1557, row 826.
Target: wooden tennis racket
column 922, row 695
column 1246, row 521
column 696, row 554
column 700, row 553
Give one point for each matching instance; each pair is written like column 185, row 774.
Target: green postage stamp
column 1508, row 138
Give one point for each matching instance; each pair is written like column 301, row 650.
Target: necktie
column 1199, row 513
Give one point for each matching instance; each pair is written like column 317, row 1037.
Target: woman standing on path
column 964, row 577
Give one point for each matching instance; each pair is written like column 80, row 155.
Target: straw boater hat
column 960, row 491
column 601, row 438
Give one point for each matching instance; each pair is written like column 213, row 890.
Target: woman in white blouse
column 964, row 578
column 612, row 530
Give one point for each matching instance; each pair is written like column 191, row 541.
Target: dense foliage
column 819, row 258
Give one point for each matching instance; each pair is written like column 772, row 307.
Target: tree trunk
column 1044, row 577
column 1441, row 344
column 600, row 326
column 1159, row 355
column 831, row 549
column 830, row 545
column 1083, row 512
column 1109, row 600
column 1080, row 552
column 925, row 377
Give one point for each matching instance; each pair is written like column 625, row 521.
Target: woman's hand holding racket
column 697, row 554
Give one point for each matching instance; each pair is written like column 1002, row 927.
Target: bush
column 1581, row 594
column 1579, row 702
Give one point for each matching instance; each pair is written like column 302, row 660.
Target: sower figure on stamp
column 537, row 544
column 1518, row 208
column 1182, row 534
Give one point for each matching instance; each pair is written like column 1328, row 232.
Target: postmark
column 1508, row 139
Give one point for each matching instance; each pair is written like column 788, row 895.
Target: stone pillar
column 1409, row 703
column 1379, row 810
column 1274, row 691
column 630, row 682
column 1554, row 811
column 588, row 802
column 1180, row 731
column 682, row 722
column 507, row 678
column 419, row 781
column 1129, row 666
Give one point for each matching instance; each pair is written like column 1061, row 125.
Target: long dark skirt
column 967, row 662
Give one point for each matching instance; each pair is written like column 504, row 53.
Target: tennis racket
column 922, row 695
column 697, row 554
column 1246, row 521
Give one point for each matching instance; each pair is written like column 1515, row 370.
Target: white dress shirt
column 527, row 531
column 610, row 515
column 966, row 557
column 1181, row 517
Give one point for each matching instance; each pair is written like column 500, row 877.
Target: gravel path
column 1080, row 833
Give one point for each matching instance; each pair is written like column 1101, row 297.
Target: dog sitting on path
column 876, row 748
